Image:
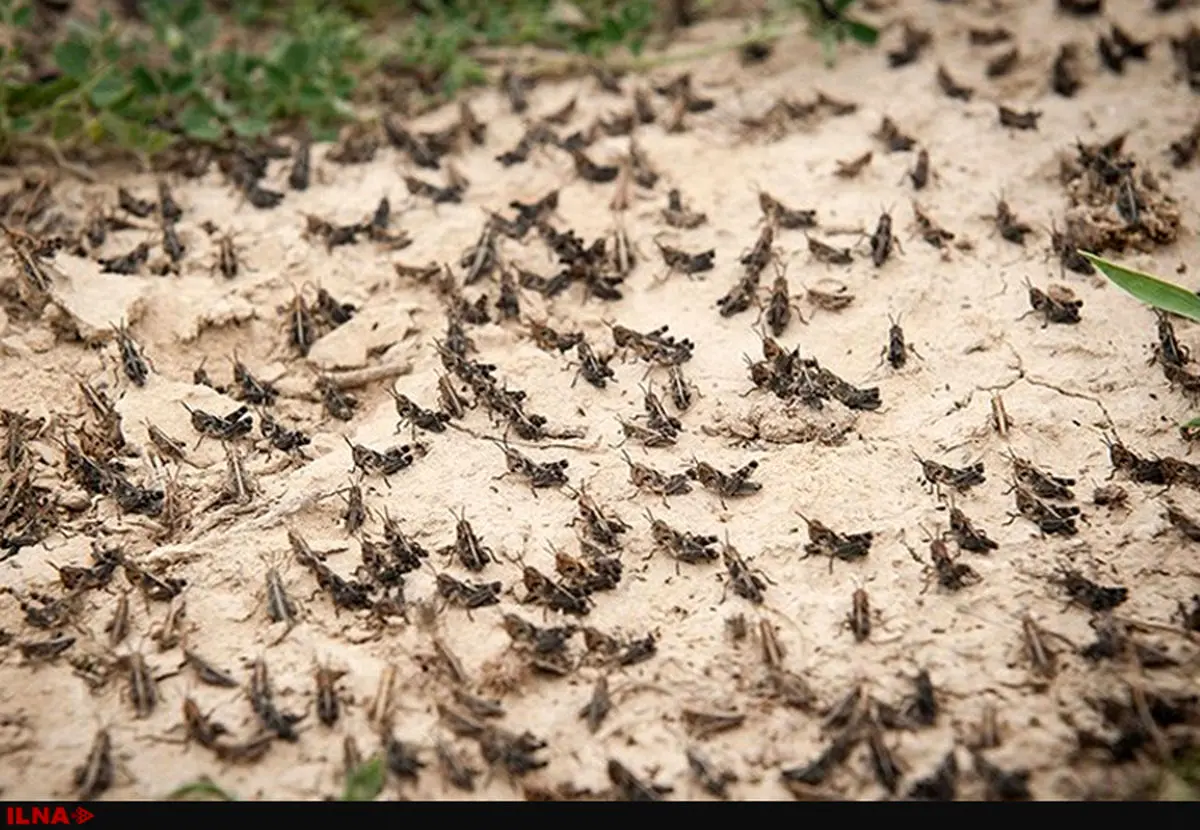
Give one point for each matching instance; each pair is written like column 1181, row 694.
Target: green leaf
column 180, row 83
column 182, row 54
column 73, row 57
column 250, row 127
column 200, row 123
column 278, row 78
column 321, row 133
column 220, row 107
column 365, row 782
column 108, row 90
column 343, row 86
column 864, row 34
column 295, row 58
column 310, row 96
column 111, row 51
column 144, row 82
column 189, row 13
column 22, row 17
column 1148, row 289
column 202, row 789
column 152, row 140
column 462, row 73
column 611, row 31
column 65, row 124
column 143, row 110
column 30, row 97
column 116, row 128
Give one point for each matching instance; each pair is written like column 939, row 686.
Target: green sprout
column 202, row 789
column 830, row 25
column 1153, row 292
column 365, row 782
column 1150, row 290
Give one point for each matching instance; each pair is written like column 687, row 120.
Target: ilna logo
column 47, row 815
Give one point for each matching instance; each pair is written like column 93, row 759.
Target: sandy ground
column 962, row 308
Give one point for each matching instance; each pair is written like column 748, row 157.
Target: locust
column 735, row 484
column 468, row 595
column 473, row 555
column 653, row 481
column 823, row 541
column 746, row 583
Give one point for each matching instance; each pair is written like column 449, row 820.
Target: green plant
column 1153, row 292
column 438, row 41
column 1181, row 781
column 141, row 93
column 202, row 789
column 624, row 24
column 1150, row 290
column 830, row 25
column 206, row 70
column 365, row 782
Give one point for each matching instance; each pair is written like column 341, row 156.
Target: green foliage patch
column 210, row 71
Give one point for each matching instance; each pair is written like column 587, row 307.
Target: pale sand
column 961, row 311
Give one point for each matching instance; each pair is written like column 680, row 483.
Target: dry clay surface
column 963, row 307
